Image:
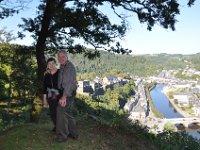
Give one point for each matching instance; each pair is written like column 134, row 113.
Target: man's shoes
column 60, row 139
column 73, row 137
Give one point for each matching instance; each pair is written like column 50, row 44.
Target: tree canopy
column 60, row 22
column 8, row 7
column 6, row 36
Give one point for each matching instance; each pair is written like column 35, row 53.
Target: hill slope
column 93, row 136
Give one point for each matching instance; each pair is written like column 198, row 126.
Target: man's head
column 62, row 57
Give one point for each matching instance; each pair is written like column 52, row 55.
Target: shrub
column 169, row 127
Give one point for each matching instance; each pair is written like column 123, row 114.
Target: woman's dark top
column 50, row 81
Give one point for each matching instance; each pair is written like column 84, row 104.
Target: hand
column 47, row 71
column 63, row 101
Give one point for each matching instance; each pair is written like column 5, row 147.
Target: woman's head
column 51, row 63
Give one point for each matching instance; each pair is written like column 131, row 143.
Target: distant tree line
column 18, row 67
column 141, row 66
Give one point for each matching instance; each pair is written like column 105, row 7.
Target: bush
column 169, row 127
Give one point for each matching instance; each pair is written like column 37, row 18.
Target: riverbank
column 165, row 90
column 156, row 113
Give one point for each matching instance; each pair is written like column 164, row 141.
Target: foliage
column 18, row 113
column 180, row 75
column 36, row 110
column 95, row 28
column 189, row 109
column 167, row 61
column 170, row 94
column 195, row 60
column 86, row 107
column 6, row 36
column 57, row 25
column 169, row 127
column 106, row 108
column 8, row 8
column 198, row 95
column 175, row 101
column 115, row 99
column 17, row 71
column 112, row 64
column 155, row 126
column 17, row 83
column 177, row 140
column 86, row 76
column 167, row 140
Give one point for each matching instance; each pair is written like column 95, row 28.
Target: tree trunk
column 40, row 48
column 41, row 44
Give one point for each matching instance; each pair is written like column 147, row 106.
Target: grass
column 92, row 136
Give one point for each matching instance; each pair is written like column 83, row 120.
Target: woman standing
column 51, row 93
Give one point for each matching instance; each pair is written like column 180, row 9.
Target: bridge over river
column 185, row 121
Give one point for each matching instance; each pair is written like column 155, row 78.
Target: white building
column 198, row 86
column 183, row 98
column 182, row 85
column 84, row 87
column 110, row 79
column 98, row 80
column 137, row 114
column 197, row 111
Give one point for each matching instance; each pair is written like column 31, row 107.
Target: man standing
column 66, row 126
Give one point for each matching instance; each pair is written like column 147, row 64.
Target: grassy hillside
column 93, row 136
column 110, row 131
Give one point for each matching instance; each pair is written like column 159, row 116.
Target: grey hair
column 64, row 52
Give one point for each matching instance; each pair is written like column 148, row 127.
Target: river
column 162, row 104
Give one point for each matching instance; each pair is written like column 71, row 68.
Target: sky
column 184, row 40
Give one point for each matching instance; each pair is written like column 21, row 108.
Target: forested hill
column 137, row 65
